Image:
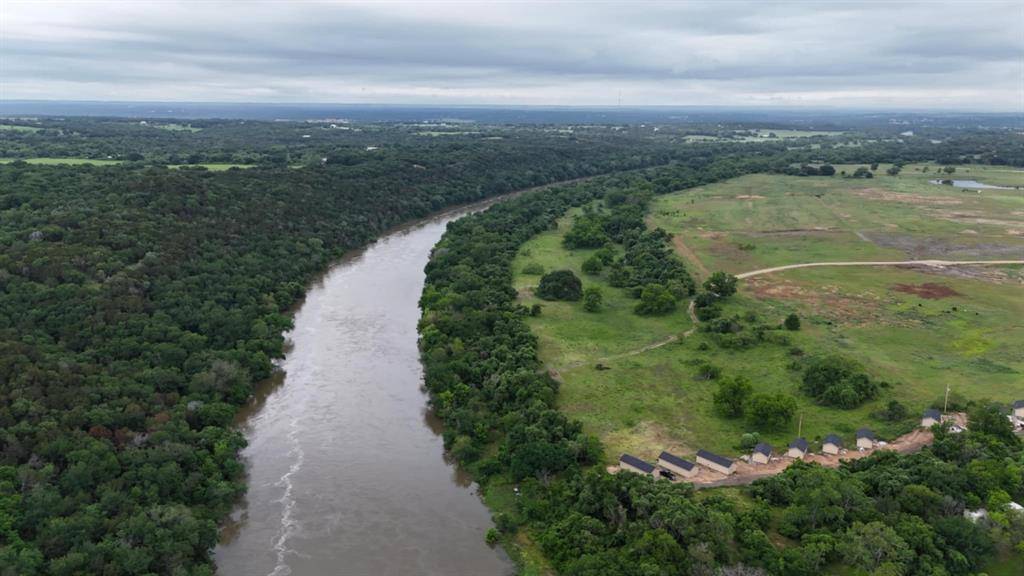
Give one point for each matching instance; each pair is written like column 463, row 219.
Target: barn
column 634, row 464
column 797, row 448
column 677, row 465
column 832, row 444
column 865, row 439
column 716, row 462
column 930, row 418
column 762, row 453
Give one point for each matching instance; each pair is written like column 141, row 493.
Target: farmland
column 918, row 329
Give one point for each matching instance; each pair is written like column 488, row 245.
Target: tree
column 893, row 170
column 560, row 285
column 792, row 322
column 731, row 397
column 593, row 265
column 874, row 166
column 834, row 380
column 655, row 299
column 592, row 299
column 872, row 545
column 827, row 170
column 771, row 410
column 863, row 172
column 893, row 412
column 949, row 169
column 721, row 285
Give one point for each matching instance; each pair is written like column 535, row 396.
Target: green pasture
column 971, row 338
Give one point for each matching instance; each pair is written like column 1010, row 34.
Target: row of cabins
column 671, row 465
column 762, row 454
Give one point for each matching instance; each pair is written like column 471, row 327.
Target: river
column 346, row 469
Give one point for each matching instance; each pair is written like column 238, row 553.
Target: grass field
column 56, row 161
column 216, row 167
column 918, row 329
column 177, row 127
column 19, row 128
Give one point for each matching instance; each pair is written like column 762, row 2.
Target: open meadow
column 917, row 328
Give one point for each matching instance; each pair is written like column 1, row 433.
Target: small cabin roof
column 932, row 413
column 865, row 433
column 636, row 463
column 763, row 448
column 833, row 439
column 800, row 444
column 676, row 461
column 1018, row 404
column 711, row 456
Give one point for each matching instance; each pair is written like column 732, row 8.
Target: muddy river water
column 346, row 468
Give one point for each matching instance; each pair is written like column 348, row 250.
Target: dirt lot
column 747, row 473
column 928, row 290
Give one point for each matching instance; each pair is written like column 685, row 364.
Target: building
column 832, row 444
column 930, row 418
column 634, row 464
column 762, row 453
column 677, row 465
column 1018, row 408
column 797, row 448
column 716, row 462
column 865, row 439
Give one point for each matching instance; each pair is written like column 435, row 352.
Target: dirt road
column 932, row 263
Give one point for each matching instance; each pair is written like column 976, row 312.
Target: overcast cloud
column 967, row 55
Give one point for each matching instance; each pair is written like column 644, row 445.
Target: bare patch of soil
column 916, row 199
column 646, row 440
column 919, row 247
column 750, row 197
column 826, row 301
column 928, row 290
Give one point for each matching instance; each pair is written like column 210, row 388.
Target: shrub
column 593, row 265
column 721, row 285
column 560, row 285
column 707, row 370
column 792, row 322
column 731, row 397
column 655, row 299
column 837, row 381
column 533, row 269
column 771, row 410
column 592, row 299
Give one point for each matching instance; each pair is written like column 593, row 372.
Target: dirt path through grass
column 932, row 263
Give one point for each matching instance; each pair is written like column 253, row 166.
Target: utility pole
column 800, row 426
column 945, row 405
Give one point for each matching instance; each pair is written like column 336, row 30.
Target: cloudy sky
column 966, row 55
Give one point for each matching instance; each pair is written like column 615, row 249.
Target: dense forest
column 884, row 515
column 139, row 304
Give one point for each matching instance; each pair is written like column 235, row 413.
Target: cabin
column 677, row 465
column 832, row 444
column 797, row 448
column 716, row 462
column 634, row 464
column 1018, row 408
column 930, row 418
column 762, row 453
column 865, row 439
